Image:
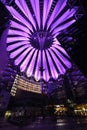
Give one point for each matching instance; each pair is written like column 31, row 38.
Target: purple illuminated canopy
column 32, row 42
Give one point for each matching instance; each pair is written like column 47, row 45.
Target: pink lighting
column 32, row 42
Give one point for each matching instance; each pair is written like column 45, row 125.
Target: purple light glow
column 37, row 72
column 27, row 11
column 58, row 8
column 62, row 27
column 21, row 57
column 18, row 51
column 32, row 42
column 21, row 38
column 46, row 72
column 31, row 65
column 19, row 17
column 68, row 14
column 46, row 9
column 24, row 8
column 20, row 33
column 11, row 47
column 25, row 61
column 20, row 27
column 36, row 7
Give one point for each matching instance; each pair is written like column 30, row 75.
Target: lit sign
column 23, row 84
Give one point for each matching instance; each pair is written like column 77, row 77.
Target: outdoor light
column 32, row 42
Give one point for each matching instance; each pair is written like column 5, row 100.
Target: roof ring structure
column 32, row 42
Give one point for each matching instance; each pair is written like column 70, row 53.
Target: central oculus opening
column 41, row 40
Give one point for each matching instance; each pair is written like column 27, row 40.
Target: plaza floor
column 69, row 123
